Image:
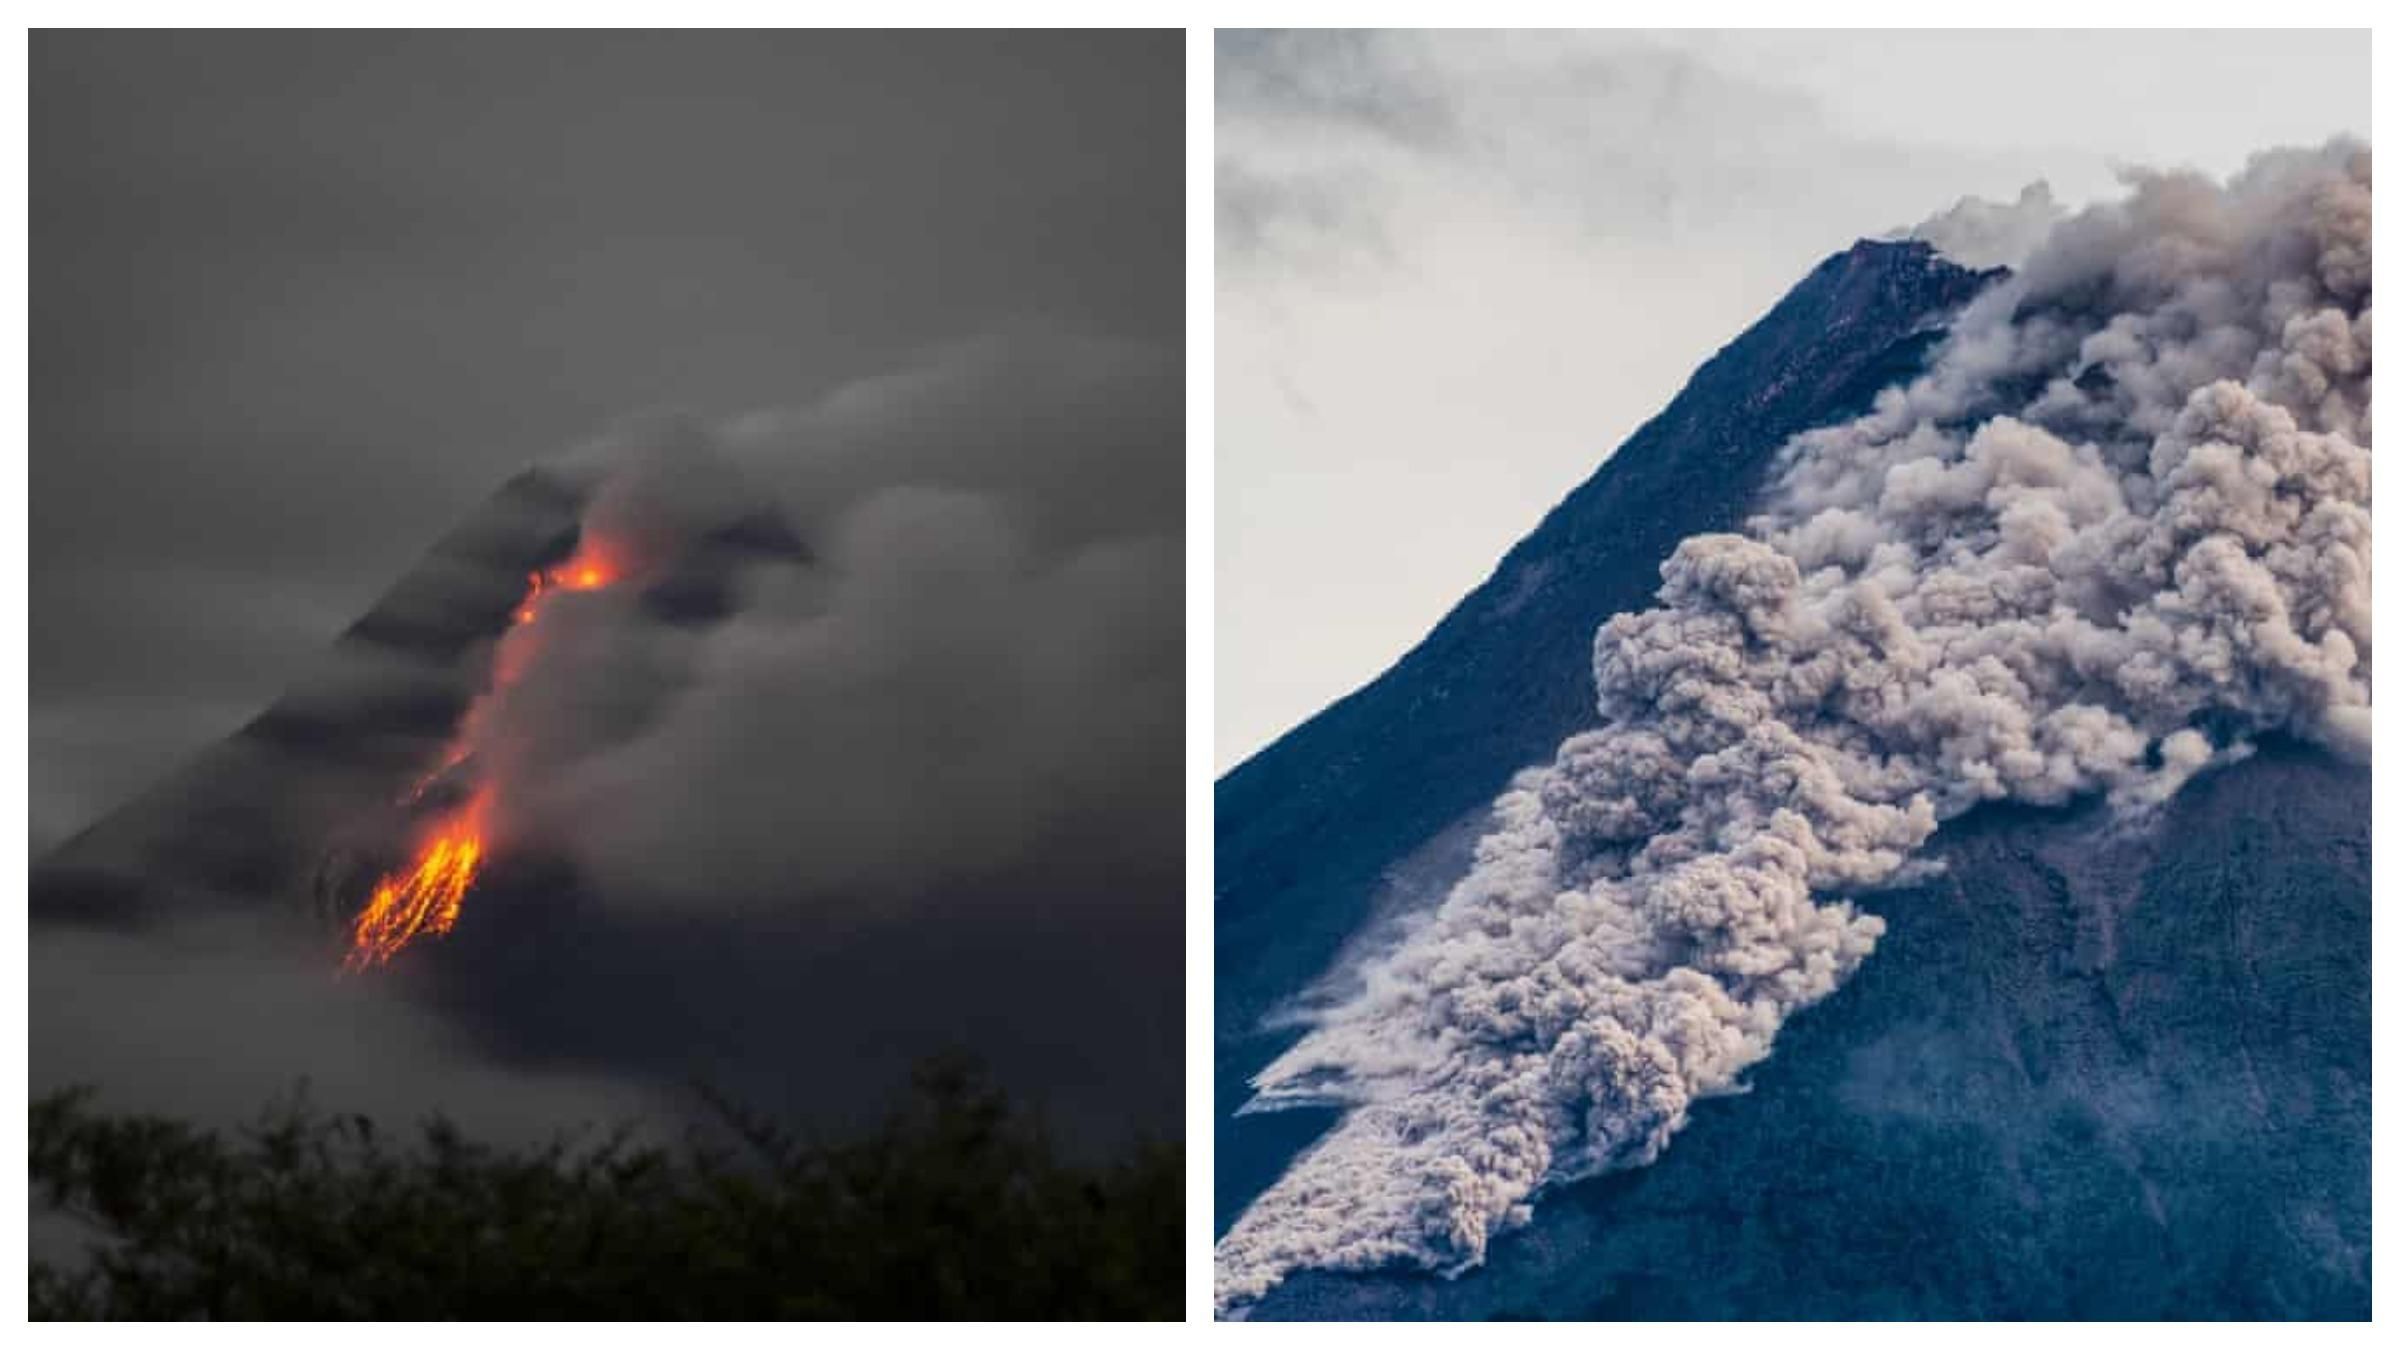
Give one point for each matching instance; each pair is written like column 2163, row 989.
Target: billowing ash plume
column 1978, row 232
column 2120, row 525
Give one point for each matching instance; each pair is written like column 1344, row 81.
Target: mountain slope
column 252, row 817
column 2087, row 1075
column 2093, row 1069
column 257, row 816
column 1307, row 828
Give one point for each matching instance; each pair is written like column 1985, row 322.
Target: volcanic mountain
column 2101, row 1062
column 349, row 762
column 626, row 784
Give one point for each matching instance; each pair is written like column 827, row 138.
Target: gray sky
column 1456, row 270
column 301, row 300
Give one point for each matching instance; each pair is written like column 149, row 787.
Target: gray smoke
column 1979, row 232
column 972, row 673
column 2120, row 525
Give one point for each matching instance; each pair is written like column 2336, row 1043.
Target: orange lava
column 588, row 570
column 425, row 899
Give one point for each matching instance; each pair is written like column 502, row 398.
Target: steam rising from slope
column 2121, row 524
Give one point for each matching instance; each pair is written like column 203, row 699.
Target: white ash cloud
column 2119, row 526
column 1979, row 232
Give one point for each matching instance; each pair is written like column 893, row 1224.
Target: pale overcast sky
column 1456, row 270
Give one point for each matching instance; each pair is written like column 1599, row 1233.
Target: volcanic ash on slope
column 2119, row 527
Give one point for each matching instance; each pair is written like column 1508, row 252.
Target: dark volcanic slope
column 254, row 817
column 2083, row 1076
column 1307, row 829
column 251, row 818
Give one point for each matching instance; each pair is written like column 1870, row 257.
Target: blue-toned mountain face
column 1309, row 828
column 2092, row 1070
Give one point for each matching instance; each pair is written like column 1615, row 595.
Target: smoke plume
column 2119, row 527
column 1978, row 232
column 964, row 672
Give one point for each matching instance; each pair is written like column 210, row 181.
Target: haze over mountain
column 1942, row 720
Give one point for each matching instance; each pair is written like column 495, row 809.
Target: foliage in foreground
column 955, row 1207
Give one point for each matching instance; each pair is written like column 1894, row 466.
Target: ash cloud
column 1978, row 232
column 2120, row 525
column 976, row 663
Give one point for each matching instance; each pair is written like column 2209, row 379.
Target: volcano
column 2094, row 1067
column 349, row 767
column 634, row 796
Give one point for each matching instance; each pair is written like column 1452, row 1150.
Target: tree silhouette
column 956, row 1206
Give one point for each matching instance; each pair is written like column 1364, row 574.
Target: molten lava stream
column 588, row 570
column 426, row 897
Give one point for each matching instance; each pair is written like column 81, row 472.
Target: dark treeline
column 957, row 1206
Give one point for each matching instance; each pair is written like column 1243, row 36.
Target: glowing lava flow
column 576, row 574
column 425, row 899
